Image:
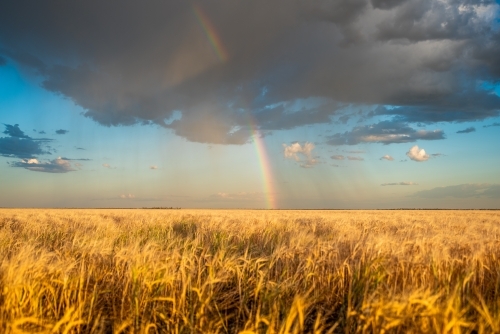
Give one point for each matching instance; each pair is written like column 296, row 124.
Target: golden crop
column 214, row 271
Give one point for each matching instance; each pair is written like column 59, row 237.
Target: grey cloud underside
column 421, row 55
column 467, row 130
column 26, row 148
column 469, row 190
column 55, row 166
column 385, row 132
column 19, row 145
column 61, row 132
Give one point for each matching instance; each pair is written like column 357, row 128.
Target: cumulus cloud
column 301, row 153
column 275, row 60
column 417, row 154
column 407, row 183
column 387, row 157
column 58, row 165
column 468, row 130
column 61, row 132
column 385, row 132
column 467, row 190
column 337, row 157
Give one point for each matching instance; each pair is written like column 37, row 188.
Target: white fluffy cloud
column 387, row 157
column 301, row 153
column 417, row 154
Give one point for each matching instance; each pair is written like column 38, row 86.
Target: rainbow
column 265, row 165
column 259, row 144
column 211, row 33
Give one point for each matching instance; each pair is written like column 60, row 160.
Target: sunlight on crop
column 214, row 271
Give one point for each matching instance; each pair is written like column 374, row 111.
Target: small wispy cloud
column 468, row 130
column 106, row 165
column 417, row 154
column 385, row 132
column 127, row 196
column 407, row 183
column 61, row 132
column 387, row 157
column 337, row 157
column 153, row 167
column 356, row 152
column 490, row 125
column 467, row 190
column 238, row 196
column 355, row 158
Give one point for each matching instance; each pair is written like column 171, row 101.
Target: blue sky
column 147, row 116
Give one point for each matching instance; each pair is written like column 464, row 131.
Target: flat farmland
column 249, row 271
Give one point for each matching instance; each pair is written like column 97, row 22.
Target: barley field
column 244, row 271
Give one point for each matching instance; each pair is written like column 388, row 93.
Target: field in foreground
column 208, row 271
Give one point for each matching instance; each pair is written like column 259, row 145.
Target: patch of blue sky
column 493, row 87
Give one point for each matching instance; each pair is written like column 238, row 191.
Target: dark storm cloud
column 61, row 132
column 462, row 191
column 386, row 4
column 3, row 61
column 422, row 20
column 139, row 63
column 20, row 145
column 385, row 132
column 468, row 130
column 458, row 107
